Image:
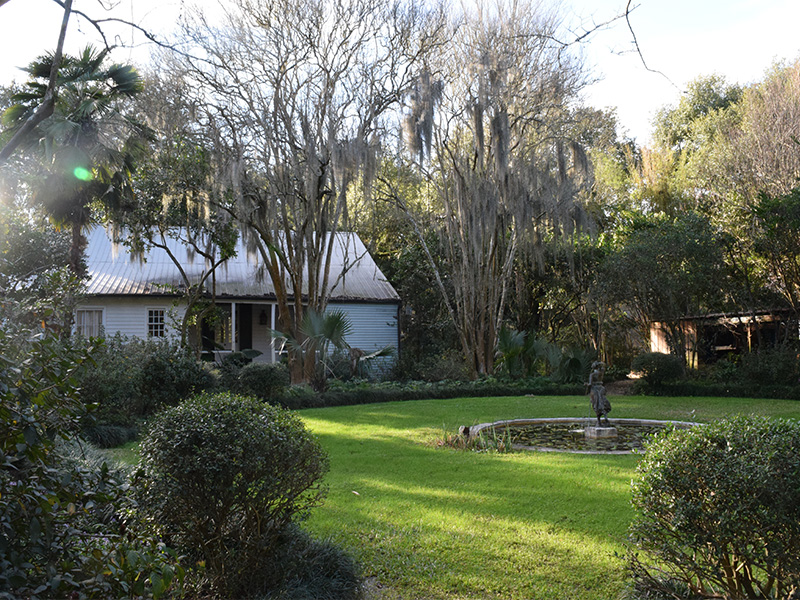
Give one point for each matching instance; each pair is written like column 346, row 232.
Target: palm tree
column 316, row 334
column 88, row 146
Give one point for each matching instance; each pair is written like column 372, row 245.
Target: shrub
column 718, row 510
column 658, row 368
column 223, row 476
column 226, row 371
column 362, row 392
column 570, row 365
column 449, row 365
column 265, row 381
column 61, row 532
column 300, row 396
column 770, row 366
column 728, row 390
column 109, row 435
column 132, row 378
column 311, row 569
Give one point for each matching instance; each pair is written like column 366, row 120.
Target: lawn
column 435, row 523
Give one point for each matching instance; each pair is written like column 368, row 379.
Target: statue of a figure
column 597, row 393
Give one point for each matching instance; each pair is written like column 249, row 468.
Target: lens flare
column 82, row 174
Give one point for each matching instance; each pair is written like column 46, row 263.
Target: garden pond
column 569, row 434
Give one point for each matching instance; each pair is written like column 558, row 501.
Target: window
column 156, row 326
column 89, row 322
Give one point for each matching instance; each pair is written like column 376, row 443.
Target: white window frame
column 156, row 329
column 80, row 324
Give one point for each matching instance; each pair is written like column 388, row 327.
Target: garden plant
column 226, row 479
column 718, row 511
column 66, row 529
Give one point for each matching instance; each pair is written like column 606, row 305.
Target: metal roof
column 114, row 271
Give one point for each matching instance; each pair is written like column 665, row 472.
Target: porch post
column 234, row 345
column 273, row 316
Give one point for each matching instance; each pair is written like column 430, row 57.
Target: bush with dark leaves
column 658, row 368
column 264, row 381
column 63, row 531
column 223, row 477
column 129, row 379
column 718, row 511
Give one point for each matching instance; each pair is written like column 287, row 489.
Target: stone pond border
column 476, row 430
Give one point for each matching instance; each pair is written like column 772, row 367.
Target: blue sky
column 683, row 39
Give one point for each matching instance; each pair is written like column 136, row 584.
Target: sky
column 681, row 39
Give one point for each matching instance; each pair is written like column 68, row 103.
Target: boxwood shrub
column 718, row 511
column 224, row 477
column 363, row 392
column 266, row 381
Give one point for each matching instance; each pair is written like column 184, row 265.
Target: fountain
column 600, row 404
column 569, row 434
column 586, row 436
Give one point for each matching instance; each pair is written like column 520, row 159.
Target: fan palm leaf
column 88, row 146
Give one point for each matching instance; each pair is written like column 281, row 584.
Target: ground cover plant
column 437, row 523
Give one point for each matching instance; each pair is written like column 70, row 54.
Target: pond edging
column 476, row 430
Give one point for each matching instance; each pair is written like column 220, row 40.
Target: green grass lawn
column 126, row 454
column 435, row 523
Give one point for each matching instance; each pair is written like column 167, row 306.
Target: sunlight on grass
column 127, row 454
column 441, row 524
column 438, row 523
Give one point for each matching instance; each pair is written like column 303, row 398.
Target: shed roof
column 114, row 271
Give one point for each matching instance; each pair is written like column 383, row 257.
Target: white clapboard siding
column 125, row 289
column 374, row 327
column 128, row 315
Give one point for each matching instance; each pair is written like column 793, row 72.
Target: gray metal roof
column 113, row 271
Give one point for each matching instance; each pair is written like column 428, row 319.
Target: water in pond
column 570, row 437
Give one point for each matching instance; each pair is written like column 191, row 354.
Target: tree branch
column 628, row 9
column 48, row 102
column 98, row 25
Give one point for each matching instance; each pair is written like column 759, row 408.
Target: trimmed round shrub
column 265, row 381
column 222, row 477
column 658, row 368
column 718, row 511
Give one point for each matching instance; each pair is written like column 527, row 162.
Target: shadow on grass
column 440, row 523
column 486, row 525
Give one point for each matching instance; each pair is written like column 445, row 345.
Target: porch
column 242, row 325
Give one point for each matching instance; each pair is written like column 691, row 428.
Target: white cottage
column 138, row 298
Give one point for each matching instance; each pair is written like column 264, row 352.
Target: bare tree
column 502, row 162
column 766, row 146
column 296, row 96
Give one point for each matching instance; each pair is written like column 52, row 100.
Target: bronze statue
column 597, row 393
